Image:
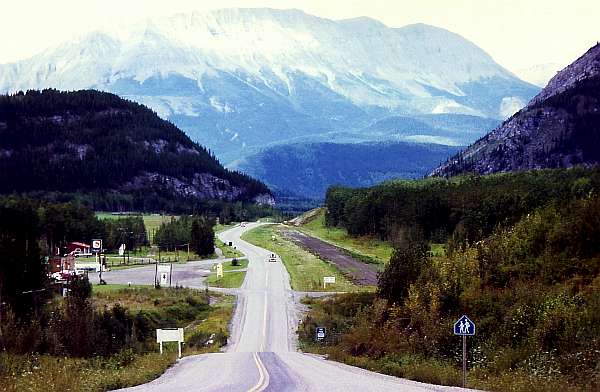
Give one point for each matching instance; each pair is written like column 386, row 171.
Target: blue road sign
column 464, row 327
column 320, row 333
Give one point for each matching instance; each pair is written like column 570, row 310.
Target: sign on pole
column 464, row 327
column 169, row 335
column 164, row 274
column 122, row 250
column 96, row 245
column 219, row 270
column 328, row 279
column 320, row 333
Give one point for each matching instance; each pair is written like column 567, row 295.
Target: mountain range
column 308, row 169
column 559, row 127
column 239, row 80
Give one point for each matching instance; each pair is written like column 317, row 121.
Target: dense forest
column 194, row 230
column 462, row 209
column 308, row 169
column 518, row 253
column 111, row 153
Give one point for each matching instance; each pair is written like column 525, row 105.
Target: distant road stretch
column 261, row 354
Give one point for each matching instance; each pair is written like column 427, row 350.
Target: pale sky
column 516, row 33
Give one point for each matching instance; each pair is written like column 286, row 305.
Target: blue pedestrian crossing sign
column 464, row 327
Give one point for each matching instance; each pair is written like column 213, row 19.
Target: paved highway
column 261, row 354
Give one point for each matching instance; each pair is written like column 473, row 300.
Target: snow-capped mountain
column 243, row 78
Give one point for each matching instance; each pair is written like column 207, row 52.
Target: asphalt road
column 261, row 354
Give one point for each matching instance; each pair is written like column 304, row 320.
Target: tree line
column 461, row 209
column 195, row 231
column 518, row 253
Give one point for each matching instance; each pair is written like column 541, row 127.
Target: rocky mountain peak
column 585, row 67
column 560, row 127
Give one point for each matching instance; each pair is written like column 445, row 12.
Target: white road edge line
column 264, row 331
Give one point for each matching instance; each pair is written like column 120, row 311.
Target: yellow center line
column 263, row 380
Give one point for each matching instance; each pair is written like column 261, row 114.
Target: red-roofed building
column 78, row 248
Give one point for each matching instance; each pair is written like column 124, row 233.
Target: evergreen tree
column 22, row 270
column 202, row 236
column 404, row 268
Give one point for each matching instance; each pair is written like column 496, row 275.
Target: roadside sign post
column 328, row 279
column 464, row 327
column 97, row 247
column 170, row 335
column 164, row 273
column 320, row 333
column 219, row 270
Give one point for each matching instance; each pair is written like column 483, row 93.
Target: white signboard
column 328, row 279
column 96, row 245
column 164, row 274
column 219, row 270
column 169, row 335
column 122, row 250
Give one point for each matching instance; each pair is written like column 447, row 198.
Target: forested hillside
column 110, row 152
column 308, row 169
column 462, row 209
column 518, row 253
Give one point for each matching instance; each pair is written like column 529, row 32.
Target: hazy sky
column 517, row 33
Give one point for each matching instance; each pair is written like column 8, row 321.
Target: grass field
column 230, row 280
column 371, row 249
column 228, row 251
column 228, row 266
column 44, row 373
column 151, row 221
column 306, row 270
column 219, row 227
column 105, row 289
column 231, row 277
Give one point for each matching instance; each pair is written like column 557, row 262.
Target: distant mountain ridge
column 116, row 153
column 540, row 74
column 309, row 169
column 236, row 79
column 560, row 127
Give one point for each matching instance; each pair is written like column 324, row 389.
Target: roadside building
column 78, row 249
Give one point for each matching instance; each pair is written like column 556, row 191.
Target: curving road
column 261, row 354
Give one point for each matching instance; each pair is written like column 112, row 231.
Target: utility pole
column 1, row 335
column 464, row 361
column 155, row 274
